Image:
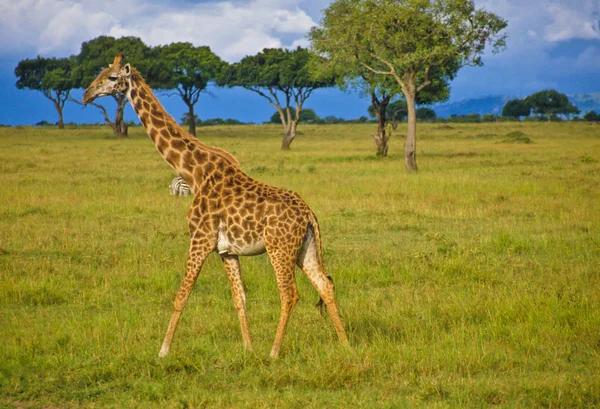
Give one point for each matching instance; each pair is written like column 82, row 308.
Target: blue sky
column 551, row 44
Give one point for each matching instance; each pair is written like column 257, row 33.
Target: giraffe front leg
column 234, row 273
column 199, row 249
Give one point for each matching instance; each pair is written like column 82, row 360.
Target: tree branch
column 262, row 94
column 100, row 107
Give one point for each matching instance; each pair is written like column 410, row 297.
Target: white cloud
column 571, row 20
column 231, row 29
column 558, row 20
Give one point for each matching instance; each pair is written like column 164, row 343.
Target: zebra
column 179, row 187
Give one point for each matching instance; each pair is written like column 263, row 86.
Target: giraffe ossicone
column 232, row 213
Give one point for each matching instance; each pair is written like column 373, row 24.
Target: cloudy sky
column 551, row 44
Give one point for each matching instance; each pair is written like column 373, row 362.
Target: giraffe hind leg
column 232, row 267
column 283, row 263
column 309, row 261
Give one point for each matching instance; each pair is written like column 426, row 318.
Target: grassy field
column 474, row 283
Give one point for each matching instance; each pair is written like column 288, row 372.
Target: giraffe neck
column 190, row 158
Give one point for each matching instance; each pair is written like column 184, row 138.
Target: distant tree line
column 182, row 69
column 391, row 51
column 547, row 104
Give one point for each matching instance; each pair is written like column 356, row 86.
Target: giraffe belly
column 238, row 247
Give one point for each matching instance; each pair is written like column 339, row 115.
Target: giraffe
column 232, row 214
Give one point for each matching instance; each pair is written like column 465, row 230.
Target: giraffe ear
column 127, row 69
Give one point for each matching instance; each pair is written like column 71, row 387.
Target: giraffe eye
column 112, row 77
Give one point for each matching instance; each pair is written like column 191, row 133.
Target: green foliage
column 517, row 137
column 209, row 122
column 418, row 44
column 425, row 114
column 187, row 69
column 219, row 121
column 282, row 77
column 549, row 103
column 53, row 77
column 516, row 108
column 469, row 118
column 489, row 118
column 409, row 37
column 473, row 285
column 275, row 69
column 47, row 74
column 395, row 111
column 96, row 54
column 307, row 115
column 592, row 116
column 185, row 119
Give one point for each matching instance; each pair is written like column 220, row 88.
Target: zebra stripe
column 179, row 187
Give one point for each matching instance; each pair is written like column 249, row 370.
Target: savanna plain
column 473, row 283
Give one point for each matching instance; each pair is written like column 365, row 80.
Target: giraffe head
column 112, row 80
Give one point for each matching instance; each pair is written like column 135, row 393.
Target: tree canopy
column 426, row 114
column 283, row 78
column 306, row 115
column 550, row 102
column 53, row 77
column 188, row 70
column 96, row 54
column 516, row 108
column 395, row 111
column 591, row 116
column 418, row 43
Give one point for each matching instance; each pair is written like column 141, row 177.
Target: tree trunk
column 120, row 127
column 192, row 119
column 381, row 138
column 410, row 148
column 290, row 134
column 121, row 130
column 59, row 109
column 61, row 123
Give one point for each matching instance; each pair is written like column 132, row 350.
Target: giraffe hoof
column 163, row 352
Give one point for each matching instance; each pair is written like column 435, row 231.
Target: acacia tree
column 283, row 78
column 516, row 108
column 383, row 110
column 408, row 40
column 426, row 114
column 550, row 102
column 393, row 112
column 591, row 116
column 188, row 70
column 381, row 94
column 306, row 115
column 54, row 78
column 93, row 58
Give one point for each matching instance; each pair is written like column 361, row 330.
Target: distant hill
column 492, row 104
column 586, row 102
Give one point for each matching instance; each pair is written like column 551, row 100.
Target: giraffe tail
column 314, row 225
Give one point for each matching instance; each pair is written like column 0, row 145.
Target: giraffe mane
column 222, row 153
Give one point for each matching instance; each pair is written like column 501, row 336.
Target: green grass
column 474, row 283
